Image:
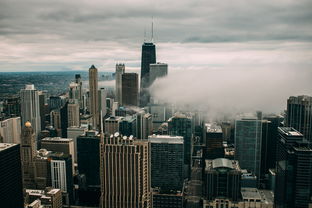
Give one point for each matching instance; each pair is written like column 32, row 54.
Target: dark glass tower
column 148, row 57
column 11, row 188
column 293, row 170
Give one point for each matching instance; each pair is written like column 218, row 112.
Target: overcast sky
column 39, row 35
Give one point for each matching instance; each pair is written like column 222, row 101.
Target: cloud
column 226, row 92
column 41, row 34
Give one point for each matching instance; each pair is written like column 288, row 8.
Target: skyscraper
column 299, row 115
column 11, row 188
column 28, row 153
column 79, row 82
column 102, row 101
column 30, row 110
column 167, row 162
column 213, row 138
column 73, row 113
column 125, row 172
column 293, row 170
column 248, row 135
column 93, row 95
column 120, row 69
column 222, row 180
column 181, row 125
column 10, row 130
column 157, row 70
column 130, row 89
column 148, row 57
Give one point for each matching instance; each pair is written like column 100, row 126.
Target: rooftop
column 57, row 139
column 213, row 128
column 221, row 163
column 4, row 146
column 165, row 139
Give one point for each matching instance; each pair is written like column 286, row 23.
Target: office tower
column 55, row 119
column 144, row 125
column 12, row 107
column 73, row 91
column 112, row 125
column 299, row 115
column 293, row 170
column 222, row 180
column 88, row 152
column 11, row 188
column 157, row 70
column 56, row 102
column 42, row 109
column 80, row 92
column 30, row 109
column 248, row 135
column 167, row 162
column 93, row 91
column 64, row 119
column 130, row 89
column 128, row 126
column 62, row 174
column 125, row 172
column 181, row 125
column 10, row 130
column 58, row 144
column 102, row 101
column 73, row 133
column 161, row 200
column 159, row 114
column 73, row 113
column 47, row 197
column 213, row 139
column 115, row 106
column 148, row 57
column 226, row 130
column 42, row 169
column 28, row 152
column 120, row 69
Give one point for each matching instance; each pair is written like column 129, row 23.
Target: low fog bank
column 226, row 92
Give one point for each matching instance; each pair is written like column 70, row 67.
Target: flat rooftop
column 213, row 128
column 165, row 139
column 4, row 146
column 56, row 139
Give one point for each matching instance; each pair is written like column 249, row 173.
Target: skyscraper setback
column 93, row 94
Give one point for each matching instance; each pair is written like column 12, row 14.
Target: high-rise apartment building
column 30, row 110
column 248, row 135
column 167, row 162
column 299, row 115
column 130, row 89
column 125, row 172
column 11, row 188
column 93, row 95
column 120, row 69
column 293, row 186
column 10, row 130
column 28, row 153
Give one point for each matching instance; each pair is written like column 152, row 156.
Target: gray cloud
column 75, row 34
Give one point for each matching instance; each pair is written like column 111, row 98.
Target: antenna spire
column 144, row 34
column 152, row 39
